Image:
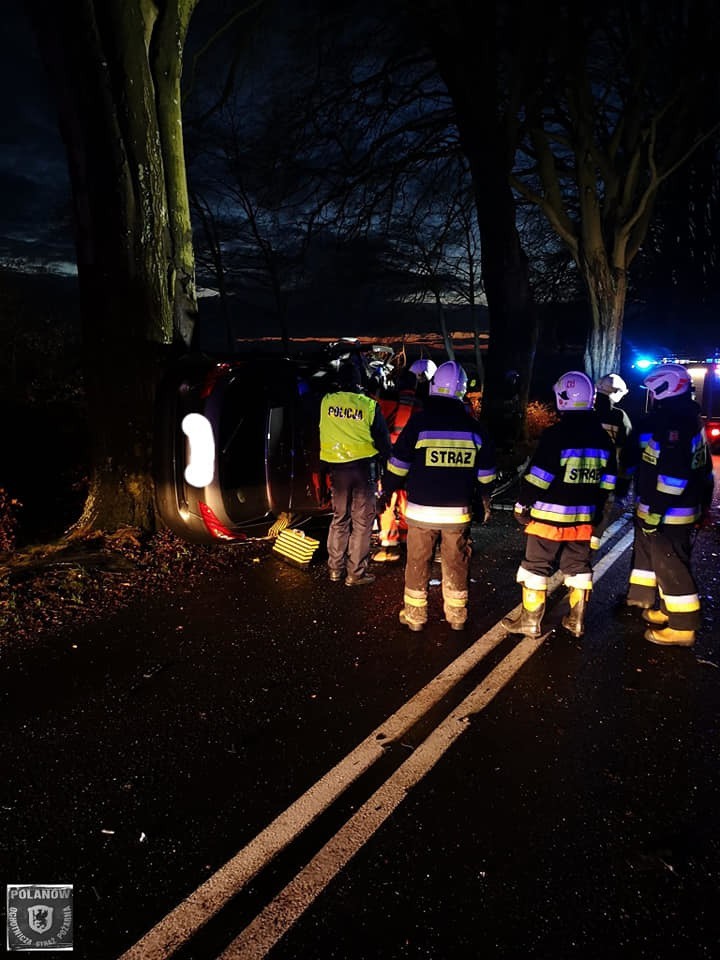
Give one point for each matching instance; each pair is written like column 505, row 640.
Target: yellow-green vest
column 345, row 422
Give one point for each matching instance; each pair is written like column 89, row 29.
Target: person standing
column 353, row 438
column 610, row 390
column 397, row 406
column 674, row 488
column 443, row 458
column 562, row 494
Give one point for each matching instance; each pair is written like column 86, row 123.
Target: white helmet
column 613, row 386
column 450, row 380
column 574, row 391
column 423, row 368
column 667, row 380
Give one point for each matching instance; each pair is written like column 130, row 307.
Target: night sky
column 34, row 188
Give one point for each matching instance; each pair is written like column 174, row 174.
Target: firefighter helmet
column 449, row 380
column 574, row 391
column 667, row 380
column 423, row 368
column 613, row 386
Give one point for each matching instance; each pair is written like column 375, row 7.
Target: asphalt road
column 570, row 810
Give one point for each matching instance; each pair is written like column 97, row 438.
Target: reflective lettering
column 449, row 458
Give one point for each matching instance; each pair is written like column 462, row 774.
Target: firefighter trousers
column 456, row 553
column 661, row 565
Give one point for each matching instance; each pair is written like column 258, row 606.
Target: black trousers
column 661, row 565
column 543, row 557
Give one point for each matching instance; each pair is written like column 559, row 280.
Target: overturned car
column 237, row 441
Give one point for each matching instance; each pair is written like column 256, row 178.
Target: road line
column 281, row 913
column 185, row 920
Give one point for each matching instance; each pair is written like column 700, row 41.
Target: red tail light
column 217, row 529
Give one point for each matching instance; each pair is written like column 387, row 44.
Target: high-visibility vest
column 345, row 427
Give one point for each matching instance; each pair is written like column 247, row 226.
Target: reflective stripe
column 583, row 453
column 579, row 581
column 415, row 601
column 486, row 476
column 674, row 485
column 562, row 513
column 425, row 513
column 398, row 467
column 687, row 603
column 458, row 602
column 643, row 578
column 540, row 478
column 533, row 581
column 642, row 511
column 680, row 515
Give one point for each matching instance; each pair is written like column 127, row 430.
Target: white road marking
column 185, row 920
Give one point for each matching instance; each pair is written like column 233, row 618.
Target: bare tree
column 621, row 109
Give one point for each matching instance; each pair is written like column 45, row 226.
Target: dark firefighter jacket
column 440, row 457
column 618, row 425
column 570, row 476
column 674, row 478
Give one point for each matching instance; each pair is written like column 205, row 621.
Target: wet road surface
column 575, row 816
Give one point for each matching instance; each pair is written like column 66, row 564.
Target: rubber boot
column 529, row 620
column 655, row 617
column 574, row 621
column 668, row 637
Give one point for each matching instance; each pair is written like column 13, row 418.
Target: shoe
column 671, row 638
column 415, row 625
column 655, row 617
column 457, row 624
column 336, row 575
column 386, row 555
column 359, row 581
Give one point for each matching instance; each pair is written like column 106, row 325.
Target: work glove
column 522, row 514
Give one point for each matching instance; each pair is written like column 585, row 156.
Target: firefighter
column 562, row 494
column 610, row 390
column 443, row 458
column 397, row 406
column 353, row 437
column 673, row 489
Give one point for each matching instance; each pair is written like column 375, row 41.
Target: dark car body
column 237, row 440
column 252, row 454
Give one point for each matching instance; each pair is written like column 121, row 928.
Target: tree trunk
column 447, row 338
column 466, row 61
column 114, row 67
column 607, row 290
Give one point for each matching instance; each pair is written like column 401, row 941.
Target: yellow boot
column 655, row 618
column 667, row 637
